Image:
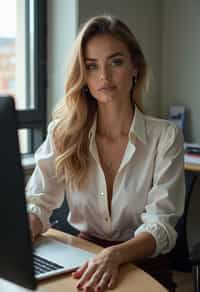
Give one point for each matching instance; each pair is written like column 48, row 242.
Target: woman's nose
column 105, row 73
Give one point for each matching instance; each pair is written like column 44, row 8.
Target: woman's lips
column 107, row 88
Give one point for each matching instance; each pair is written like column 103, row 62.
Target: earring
column 85, row 89
column 134, row 81
column 133, row 85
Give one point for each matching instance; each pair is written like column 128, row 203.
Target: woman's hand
column 35, row 226
column 100, row 273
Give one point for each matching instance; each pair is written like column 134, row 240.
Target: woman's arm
column 166, row 198
column 44, row 191
column 141, row 246
column 35, row 226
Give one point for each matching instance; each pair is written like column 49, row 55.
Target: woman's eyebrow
column 117, row 54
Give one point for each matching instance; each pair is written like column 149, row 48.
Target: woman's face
column 109, row 69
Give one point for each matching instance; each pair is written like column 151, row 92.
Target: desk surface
column 192, row 167
column 130, row 279
column 192, row 163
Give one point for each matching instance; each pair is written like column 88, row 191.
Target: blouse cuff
column 33, row 209
column 165, row 236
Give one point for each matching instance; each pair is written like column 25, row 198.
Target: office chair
column 179, row 256
column 193, row 233
column 59, row 219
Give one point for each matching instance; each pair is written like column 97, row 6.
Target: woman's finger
column 86, row 275
column 93, row 281
column 113, row 280
column 78, row 273
column 103, row 283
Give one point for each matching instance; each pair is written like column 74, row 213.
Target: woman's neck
column 113, row 121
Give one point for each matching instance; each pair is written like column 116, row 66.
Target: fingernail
column 79, row 287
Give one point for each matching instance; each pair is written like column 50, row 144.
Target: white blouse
column 148, row 190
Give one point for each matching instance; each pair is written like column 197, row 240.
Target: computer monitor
column 15, row 243
column 16, row 250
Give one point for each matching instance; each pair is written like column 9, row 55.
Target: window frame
column 36, row 119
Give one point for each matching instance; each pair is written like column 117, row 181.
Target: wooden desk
column 191, row 163
column 130, row 279
column 192, row 167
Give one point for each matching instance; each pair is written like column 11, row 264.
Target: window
column 23, row 66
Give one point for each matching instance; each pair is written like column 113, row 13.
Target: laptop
column 17, row 255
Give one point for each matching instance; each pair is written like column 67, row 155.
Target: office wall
column 62, row 27
column 181, row 62
column 144, row 18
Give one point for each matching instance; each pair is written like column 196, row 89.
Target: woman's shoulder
column 51, row 126
column 162, row 127
column 160, row 123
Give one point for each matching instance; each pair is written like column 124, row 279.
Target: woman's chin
column 105, row 99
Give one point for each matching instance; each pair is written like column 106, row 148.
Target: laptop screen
column 15, row 244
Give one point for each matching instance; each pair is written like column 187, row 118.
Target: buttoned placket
column 107, row 219
column 103, row 199
column 102, row 195
column 102, row 188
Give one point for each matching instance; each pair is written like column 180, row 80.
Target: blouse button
column 102, row 194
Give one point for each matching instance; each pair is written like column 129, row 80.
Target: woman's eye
column 91, row 67
column 116, row 62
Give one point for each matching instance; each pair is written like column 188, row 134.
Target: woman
column 122, row 170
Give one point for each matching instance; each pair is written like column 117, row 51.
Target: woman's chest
column 109, row 189
column 110, row 157
column 126, row 198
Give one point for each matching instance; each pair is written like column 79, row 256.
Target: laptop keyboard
column 41, row 265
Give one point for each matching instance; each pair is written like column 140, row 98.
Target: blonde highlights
column 75, row 113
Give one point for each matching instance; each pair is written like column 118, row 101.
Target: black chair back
column 59, row 219
column 179, row 256
column 193, row 233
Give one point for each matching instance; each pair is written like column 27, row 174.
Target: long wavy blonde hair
column 75, row 113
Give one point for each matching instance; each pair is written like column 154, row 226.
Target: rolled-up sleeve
column 45, row 191
column 165, row 203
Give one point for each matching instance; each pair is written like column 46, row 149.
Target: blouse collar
column 137, row 128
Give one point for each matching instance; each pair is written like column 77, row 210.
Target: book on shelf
column 177, row 115
column 192, row 149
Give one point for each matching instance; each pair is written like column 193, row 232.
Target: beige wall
column 62, row 27
column 181, row 62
